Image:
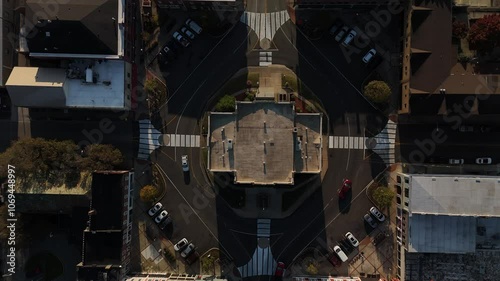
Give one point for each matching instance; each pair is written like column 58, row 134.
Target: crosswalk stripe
column 173, row 140
column 345, row 142
column 361, row 143
column 265, row 25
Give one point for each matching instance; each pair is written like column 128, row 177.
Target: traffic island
column 210, row 263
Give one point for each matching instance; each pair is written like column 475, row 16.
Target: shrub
column 148, row 194
column 377, row 92
column 226, row 104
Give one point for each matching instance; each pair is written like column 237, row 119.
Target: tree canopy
column 484, row 34
column 377, row 92
column 42, row 157
column 148, row 193
column 383, row 196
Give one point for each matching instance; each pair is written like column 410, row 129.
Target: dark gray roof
column 107, row 201
column 78, row 27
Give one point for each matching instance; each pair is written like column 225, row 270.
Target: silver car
column 370, row 221
column 155, row 209
column 376, row 213
column 369, row 56
column 349, row 38
column 341, row 33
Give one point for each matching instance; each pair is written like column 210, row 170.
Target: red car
column 279, row 269
column 333, row 259
column 346, row 185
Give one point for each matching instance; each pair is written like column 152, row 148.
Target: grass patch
column 45, row 263
column 207, row 261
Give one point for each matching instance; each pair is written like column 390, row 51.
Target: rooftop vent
column 295, row 129
column 47, row 34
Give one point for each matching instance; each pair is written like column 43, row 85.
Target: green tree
column 157, row 93
column 148, row 194
column 383, row 196
column 484, row 34
column 101, row 157
column 377, row 92
column 226, row 104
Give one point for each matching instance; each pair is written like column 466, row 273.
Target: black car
column 165, row 222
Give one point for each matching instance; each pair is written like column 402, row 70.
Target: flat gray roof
column 442, row 234
column 265, row 149
column 455, row 195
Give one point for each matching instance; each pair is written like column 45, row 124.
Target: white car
column 340, row 253
column 188, row 33
column 189, row 249
column 181, row 244
column 483, row 161
column 341, row 33
column 155, row 209
column 349, row 38
column 456, row 161
column 161, row 216
column 183, row 41
column 185, row 165
column 376, row 213
column 352, row 239
column 369, row 56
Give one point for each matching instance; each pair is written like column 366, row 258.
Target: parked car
column 349, row 38
column 192, row 257
column 185, row 164
column 352, row 239
column 484, row 161
column 194, row 26
column 369, row 56
column 181, row 244
column 341, row 33
column 456, row 161
column 163, row 215
column 188, row 33
column 466, row 129
column 183, row 41
column 155, row 209
column 334, row 259
column 334, row 29
column 188, row 250
column 165, row 222
column 340, row 253
column 376, row 213
column 370, row 220
column 346, row 186
column 280, row 269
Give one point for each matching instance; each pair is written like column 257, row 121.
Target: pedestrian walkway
column 148, row 139
column 263, row 228
column 177, row 140
column 265, row 25
column 385, row 143
column 343, row 142
column 262, row 262
column 265, row 58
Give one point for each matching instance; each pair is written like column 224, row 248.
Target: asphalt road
column 200, row 70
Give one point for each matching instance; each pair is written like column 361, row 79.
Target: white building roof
column 89, row 95
column 455, row 195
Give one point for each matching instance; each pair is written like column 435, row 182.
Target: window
column 128, row 74
column 407, row 180
column 399, row 179
column 128, row 86
column 398, row 189
column 407, row 193
column 398, row 200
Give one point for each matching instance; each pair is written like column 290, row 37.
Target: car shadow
column 345, row 204
column 169, row 231
column 187, row 178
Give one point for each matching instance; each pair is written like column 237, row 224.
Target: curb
column 161, row 172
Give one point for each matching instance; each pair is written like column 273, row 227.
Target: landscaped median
column 210, row 263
